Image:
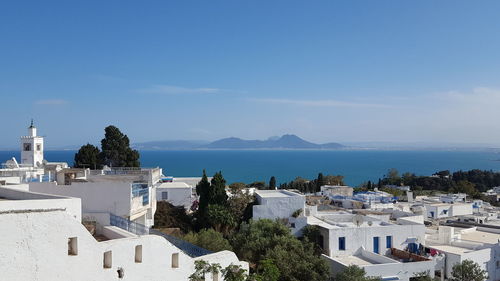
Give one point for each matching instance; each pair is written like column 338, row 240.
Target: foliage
column 422, row 276
column 311, row 186
column 88, row 157
column 169, row 216
column 354, row 273
column 234, row 273
column 270, row 240
column 240, row 205
column 471, row 182
column 313, row 235
column 209, row 239
column 202, row 189
column 258, row 184
column 272, row 183
column 220, row 218
column 267, row 271
column 116, row 151
column 217, row 192
column 468, row 270
column 297, row 213
column 201, row 268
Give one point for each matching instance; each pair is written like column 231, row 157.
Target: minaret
column 32, row 148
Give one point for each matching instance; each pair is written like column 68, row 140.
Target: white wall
column 357, row 237
column 278, row 207
column 34, row 246
column 176, row 196
column 110, row 197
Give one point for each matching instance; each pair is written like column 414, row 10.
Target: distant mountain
column 283, row 142
column 169, row 145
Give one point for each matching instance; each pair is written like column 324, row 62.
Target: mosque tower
column 32, row 148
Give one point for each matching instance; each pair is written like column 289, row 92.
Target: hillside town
column 65, row 223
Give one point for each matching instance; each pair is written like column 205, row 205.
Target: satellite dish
column 358, row 220
column 370, row 223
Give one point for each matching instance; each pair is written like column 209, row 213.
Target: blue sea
column 357, row 166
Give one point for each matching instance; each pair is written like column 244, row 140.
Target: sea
column 357, row 166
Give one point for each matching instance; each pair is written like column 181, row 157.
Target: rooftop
column 481, row 237
column 174, row 185
column 276, row 193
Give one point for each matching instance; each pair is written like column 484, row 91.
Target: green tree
column 170, row 216
column 265, row 239
column 267, row 271
column 202, row 189
column 313, row 235
column 354, row 273
column 201, row 268
column 467, row 187
column 468, row 270
column 220, row 218
column 422, row 276
column 209, row 239
column 217, row 193
column 272, row 183
column 88, row 157
column 258, row 184
column 116, row 151
column 320, row 182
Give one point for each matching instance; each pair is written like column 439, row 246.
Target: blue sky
column 346, row 71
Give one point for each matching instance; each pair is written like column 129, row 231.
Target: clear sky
column 341, row 71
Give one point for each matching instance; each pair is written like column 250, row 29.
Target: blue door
column 376, row 245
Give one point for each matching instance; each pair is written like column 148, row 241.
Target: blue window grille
column 388, row 241
column 376, row 248
column 341, row 243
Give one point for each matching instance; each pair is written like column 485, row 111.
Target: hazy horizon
column 328, row 71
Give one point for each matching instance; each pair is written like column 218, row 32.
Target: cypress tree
column 116, row 151
column 202, row 189
column 217, row 193
column 272, row 183
column 320, row 182
column 88, row 157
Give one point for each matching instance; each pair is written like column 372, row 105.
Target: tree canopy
column 468, row 270
column 209, row 239
column 354, row 273
column 88, row 156
column 271, row 240
column 116, row 151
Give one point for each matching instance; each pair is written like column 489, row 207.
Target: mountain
column 283, row 142
column 169, row 145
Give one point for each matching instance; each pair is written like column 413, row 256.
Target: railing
column 139, row 229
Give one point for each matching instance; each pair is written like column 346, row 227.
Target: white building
column 126, row 192
column 33, row 166
column 43, row 238
column 384, row 249
column 446, row 210
column 176, row 193
column 480, row 245
column 334, row 190
column 278, row 204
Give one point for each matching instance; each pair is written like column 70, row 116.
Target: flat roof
column 275, row 193
column 355, row 260
column 481, row 237
column 174, row 185
column 451, row 249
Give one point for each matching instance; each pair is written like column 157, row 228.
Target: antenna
column 358, row 220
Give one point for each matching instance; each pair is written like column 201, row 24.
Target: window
column 138, row 253
column 175, row 260
column 388, row 241
column 38, row 147
column 27, row 146
column 341, row 243
column 376, row 249
column 164, row 196
column 72, row 246
column 108, row 262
